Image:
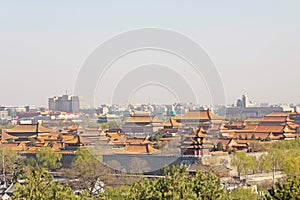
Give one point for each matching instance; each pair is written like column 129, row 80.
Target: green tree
column 285, row 191
column 178, row 184
column 83, row 153
column 291, row 165
column 46, row 157
column 40, row 185
column 276, row 158
column 243, row 193
column 208, row 186
column 264, row 163
column 243, row 162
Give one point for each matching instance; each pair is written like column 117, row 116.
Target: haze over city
column 254, row 45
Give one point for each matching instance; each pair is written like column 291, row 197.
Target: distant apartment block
column 64, row 103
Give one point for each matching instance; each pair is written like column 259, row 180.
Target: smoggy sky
column 255, row 45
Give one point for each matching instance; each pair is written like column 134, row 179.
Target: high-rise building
column 64, row 103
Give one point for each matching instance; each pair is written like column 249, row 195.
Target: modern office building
column 64, row 103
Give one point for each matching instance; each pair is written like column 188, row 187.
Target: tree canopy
column 40, row 185
column 46, row 157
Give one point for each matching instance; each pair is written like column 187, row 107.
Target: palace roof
column 269, row 128
column 200, row 115
column 5, row 136
column 142, row 119
column 138, row 149
column 279, row 119
column 171, row 122
column 76, row 139
column 277, row 114
column 30, row 128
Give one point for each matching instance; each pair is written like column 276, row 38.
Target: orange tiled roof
column 32, row 149
column 200, row 132
column 283, row 114
column 6, row 136
column 250, row 127
column 30, row 128
column 171, row 122
column 113, row 135
column 238, row 123
column 67, row 137
column 276, row 137
column 292, row 125
column 269, row 128
column 75, row 140
column 138, row 149
column 56, row 146
column 143, row 119
column 275, row 119
column 136, row 140
column 73, row 127
column 249, row 135
column 9, row 145
column 253, row 119
column 200, row 115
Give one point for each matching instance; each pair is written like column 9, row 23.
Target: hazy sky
column 254, row 44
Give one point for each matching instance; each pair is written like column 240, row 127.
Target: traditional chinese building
column 199, row 118
column 142, row 122
column 26, row 132
column 196, row 144
column 274, row 126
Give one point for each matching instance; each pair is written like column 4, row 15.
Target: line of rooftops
column 195, row 133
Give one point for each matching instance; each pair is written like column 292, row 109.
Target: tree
column 40, row 185
column 264, row 163
column 242, row 162
column 19, row 168
column 83, row 153
column 90, row 175
column 121, row 192
column 46, row 157
column 257, row 147
column 178, row 184
column 291, row 165
column 287, row 190
column 8, row 159
column 208, row 186
column 276, row 158
column 243, row 193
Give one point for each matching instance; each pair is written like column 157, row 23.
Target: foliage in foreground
column 177, row 184
column 288, row 190
column 40, row 185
